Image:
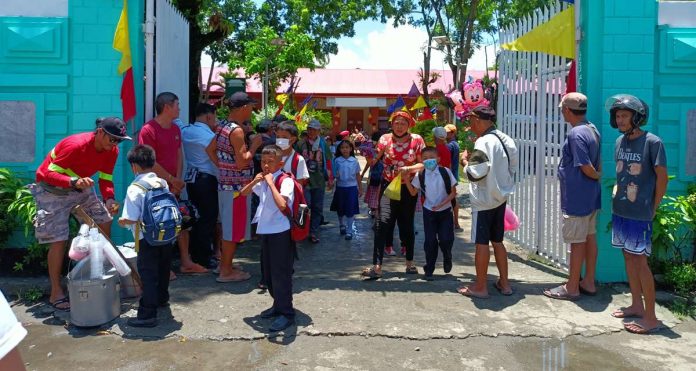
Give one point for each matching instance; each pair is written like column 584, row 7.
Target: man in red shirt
column 64, row 181
column 164, row 136
column 440, row 137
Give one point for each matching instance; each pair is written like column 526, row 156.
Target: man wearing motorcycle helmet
column 641, row 182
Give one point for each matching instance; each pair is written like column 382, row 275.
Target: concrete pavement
column 400, row 321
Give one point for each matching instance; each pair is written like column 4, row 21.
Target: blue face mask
column 430, row 164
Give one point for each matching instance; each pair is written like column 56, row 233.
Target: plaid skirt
column 372, row 197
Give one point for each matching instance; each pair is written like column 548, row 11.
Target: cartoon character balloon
column 456, row 101
column 473, row 95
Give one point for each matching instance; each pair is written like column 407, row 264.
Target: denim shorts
column 633, row 236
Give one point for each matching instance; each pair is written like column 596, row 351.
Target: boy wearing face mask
column 438, row 188
column 286, row 137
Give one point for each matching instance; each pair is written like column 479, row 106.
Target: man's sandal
column 58, row 302
column 371, row 273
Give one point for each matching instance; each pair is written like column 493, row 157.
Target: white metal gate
column 171, row 69
column 531, row 85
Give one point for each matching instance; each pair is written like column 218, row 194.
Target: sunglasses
column 113, row 140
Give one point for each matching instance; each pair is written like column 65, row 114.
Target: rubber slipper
column 641, row 330
column 619, row 313
column 58, row 302
column 371, row 273
column 588, row 293
column 240, row 278
column 466, row 291
column 411, row 270
column 500, row 289
column 560, row 293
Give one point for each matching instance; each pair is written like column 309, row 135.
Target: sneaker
column 389, row 251
column 269, row 313
column 281, row 323
column 403, row 250
column 343, row 230
column 136, row 322
column 349, row 236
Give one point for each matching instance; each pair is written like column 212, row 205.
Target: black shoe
column 447, row 265
column 281, row 323
column 428, row 277
column 163, row 305
column 269, row 313
column 136, row 322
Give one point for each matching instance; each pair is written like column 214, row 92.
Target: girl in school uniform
column 348, row 187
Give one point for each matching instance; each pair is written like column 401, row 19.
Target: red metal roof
column 350, row 82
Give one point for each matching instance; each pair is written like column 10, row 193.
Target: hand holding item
column 84, row 183
column 112, row 206
column 268, row 177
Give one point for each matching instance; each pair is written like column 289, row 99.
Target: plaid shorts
column 53, row 212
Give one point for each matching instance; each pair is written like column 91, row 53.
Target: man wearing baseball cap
column 489, row 169
column 578, row 173
column 64, row 180
column 318, row 158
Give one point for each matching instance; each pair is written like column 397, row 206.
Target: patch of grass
column 682, row 308
column 31, row 295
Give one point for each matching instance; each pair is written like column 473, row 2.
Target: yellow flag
column 420, row 103
column 555, row 37
column 298, row 117
column 282, row 98
column 121, row 40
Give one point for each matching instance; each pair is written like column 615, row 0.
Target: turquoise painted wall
column 71, row 75
column 624, row 51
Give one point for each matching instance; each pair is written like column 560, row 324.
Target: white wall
column 33, row 8
column 677, row 13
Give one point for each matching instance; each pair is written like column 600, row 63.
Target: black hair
column 272, row 149
column 375, row 136
column 204, row 109
column 429, row 149
column 578, row 112
column 142, row 155
column 290, row 127
column 338, row 149
column 164, row 99
column 338, row 137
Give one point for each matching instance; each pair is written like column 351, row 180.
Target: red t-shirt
column 445, row 155
column 165, row 142
column 397, row 155
column 77, row 154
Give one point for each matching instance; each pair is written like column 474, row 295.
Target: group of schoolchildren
column 435, row 185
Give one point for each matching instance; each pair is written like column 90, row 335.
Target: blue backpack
column 161, row 218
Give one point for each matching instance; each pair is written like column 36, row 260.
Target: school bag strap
column 278, row 183
column 294, row 163
column 504, row 147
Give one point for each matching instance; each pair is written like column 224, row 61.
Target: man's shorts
column 633, row 236
column 53, row 212
column 488, row 225
column 576, row 228
column 235, row 216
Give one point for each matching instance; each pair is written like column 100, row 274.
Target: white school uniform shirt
column 135, row 199
column 345, row 170
column 435, row 191
column 302, row 172
column 11, row 331
column 269, row 218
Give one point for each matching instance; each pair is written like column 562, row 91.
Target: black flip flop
column 58, row 302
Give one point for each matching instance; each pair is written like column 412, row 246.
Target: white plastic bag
column 112, row 256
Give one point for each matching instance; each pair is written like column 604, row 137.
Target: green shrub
column 682, row 277
column 12, row 187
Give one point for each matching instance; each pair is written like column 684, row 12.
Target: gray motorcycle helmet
column 630, row 103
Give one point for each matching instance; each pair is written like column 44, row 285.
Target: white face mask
column 283, row 143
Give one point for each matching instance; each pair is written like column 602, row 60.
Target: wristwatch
column 73, row 182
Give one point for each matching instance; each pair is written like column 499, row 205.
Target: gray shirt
column 636, row 159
